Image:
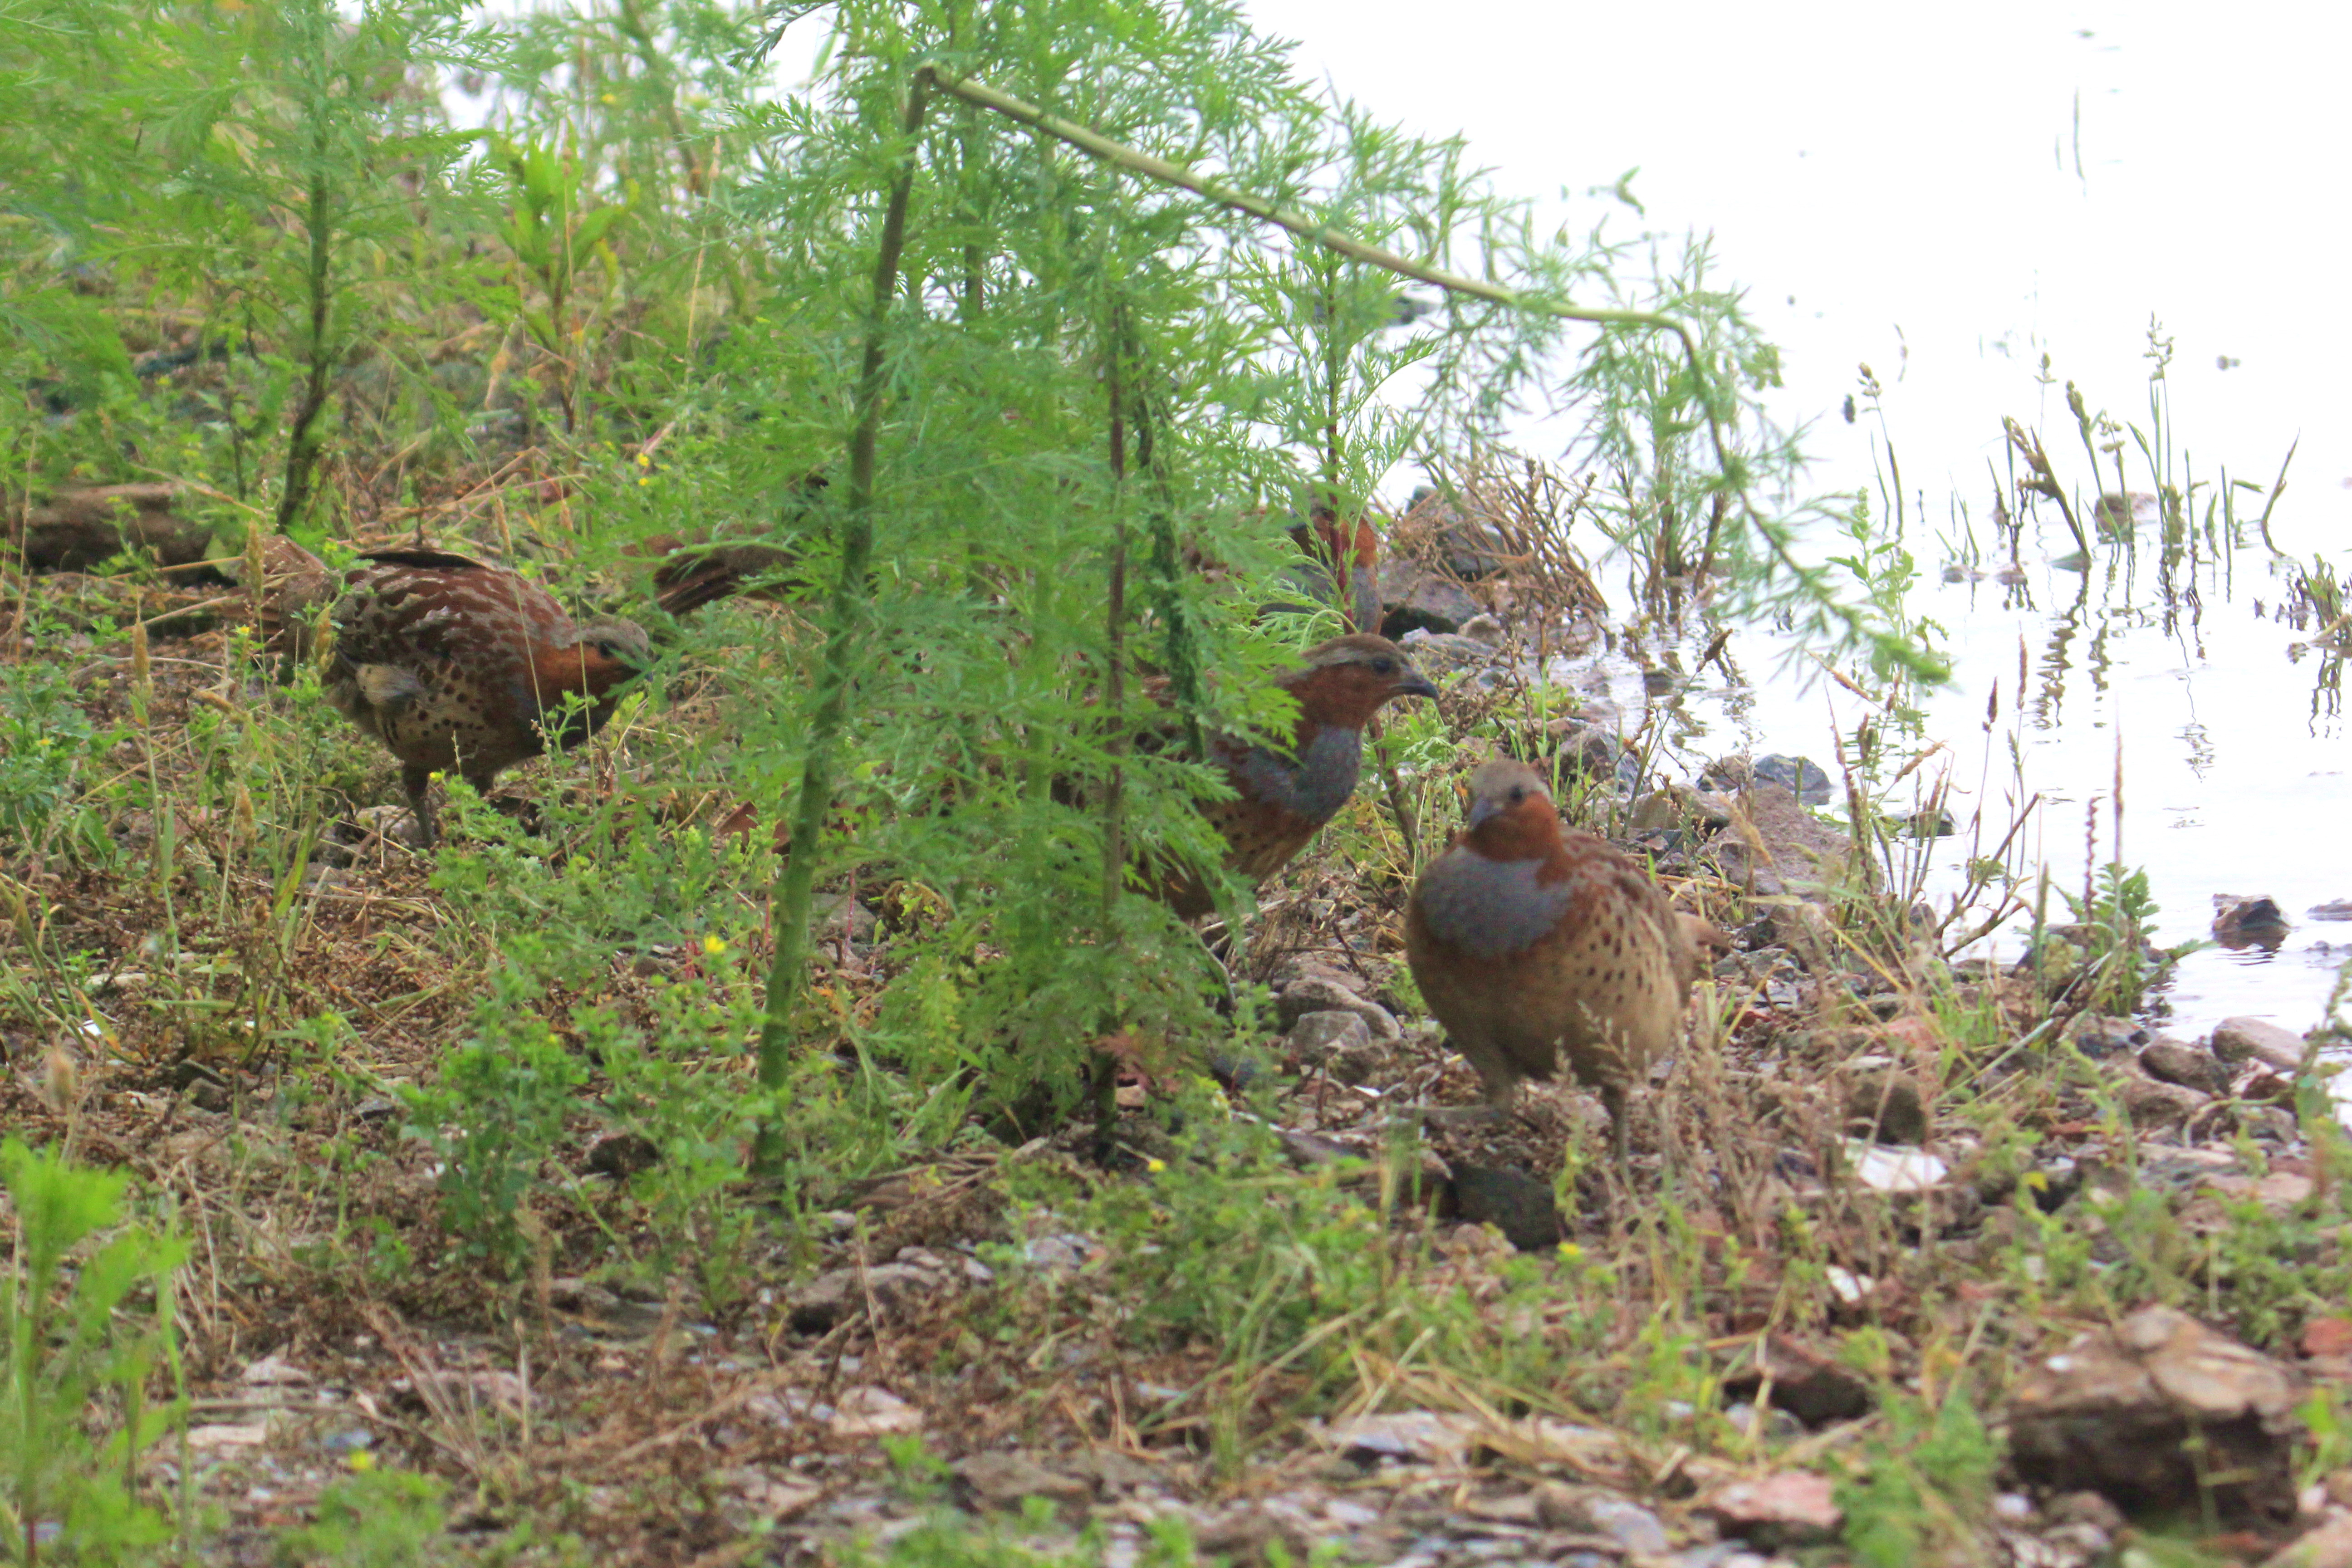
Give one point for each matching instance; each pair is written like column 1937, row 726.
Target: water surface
column 1948, row 196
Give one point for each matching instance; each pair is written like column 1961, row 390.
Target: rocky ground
column 1924, row 1258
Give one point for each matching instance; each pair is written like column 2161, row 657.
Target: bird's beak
column 1412, row 683
column 1482, row 809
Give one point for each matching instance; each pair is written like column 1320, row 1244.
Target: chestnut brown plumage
column 456, row 665
column 706, row 565
column 693, row 573
column 1534, row 945
column 1282, row 798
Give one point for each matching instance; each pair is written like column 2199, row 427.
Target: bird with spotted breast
column 1284, row 794
column 1538, row 947
column 458, row 666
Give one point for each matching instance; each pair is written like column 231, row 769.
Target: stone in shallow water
column 1801, row 774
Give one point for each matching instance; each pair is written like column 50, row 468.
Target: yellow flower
column 713, row 945
column 360, row 1459
column 437, row 775
column 1570, row 1253
column 1155, row 1166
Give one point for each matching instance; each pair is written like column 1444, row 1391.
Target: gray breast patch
column 1318, row 785
column 1490, row 909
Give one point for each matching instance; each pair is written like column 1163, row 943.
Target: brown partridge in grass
column 1536, row 946
column 1282, row 798
column 456, row 666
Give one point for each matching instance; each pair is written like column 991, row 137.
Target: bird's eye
column 1383, row 665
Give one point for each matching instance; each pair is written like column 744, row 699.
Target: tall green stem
column 846, row 626
column 302, row 447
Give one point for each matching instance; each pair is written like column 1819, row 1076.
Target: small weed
column 376, row 1519
column 494, row 1119
column 1917, row 1489
column 78, row 1340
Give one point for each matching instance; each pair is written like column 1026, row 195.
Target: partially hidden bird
column 456, row 666
column 706, row 565
column 1538, row 947
column 1284, row 794
column 1343, row 565
column 294, row 586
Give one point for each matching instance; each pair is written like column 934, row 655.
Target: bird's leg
column 418, row 785
column 1620, row 1132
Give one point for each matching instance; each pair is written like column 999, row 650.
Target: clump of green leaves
column 86, row 1322
column 1921, row 1485
column 51, row 755
column 376, row 1519
column 495, row 1117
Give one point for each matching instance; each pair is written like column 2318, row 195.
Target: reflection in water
column 2158, row 657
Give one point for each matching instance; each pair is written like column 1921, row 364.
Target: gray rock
column 1810, row 1384
column 1560, row 1506
column 2095, row 1035
column 1417, row 599
column 839, row 915
column 2142, row 1413
column 393, row 824
column 1883, row 1104
column 1799, row 774
column 1314, row 994
column 1592, row 750
column 1486, row 629
column 1633, row 1527
column 836, row 1293
column 2258, row 1040
column 1775, row 846
column 2248, row 921
column 1778, row 1424
column 1513, row 1202
column 2169, row 1060
column 995, row 1480
column 1790, row 1509
column 2152, row 1105
column 1437, row 653
column 2269, row 1122
column 1317, row 1038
